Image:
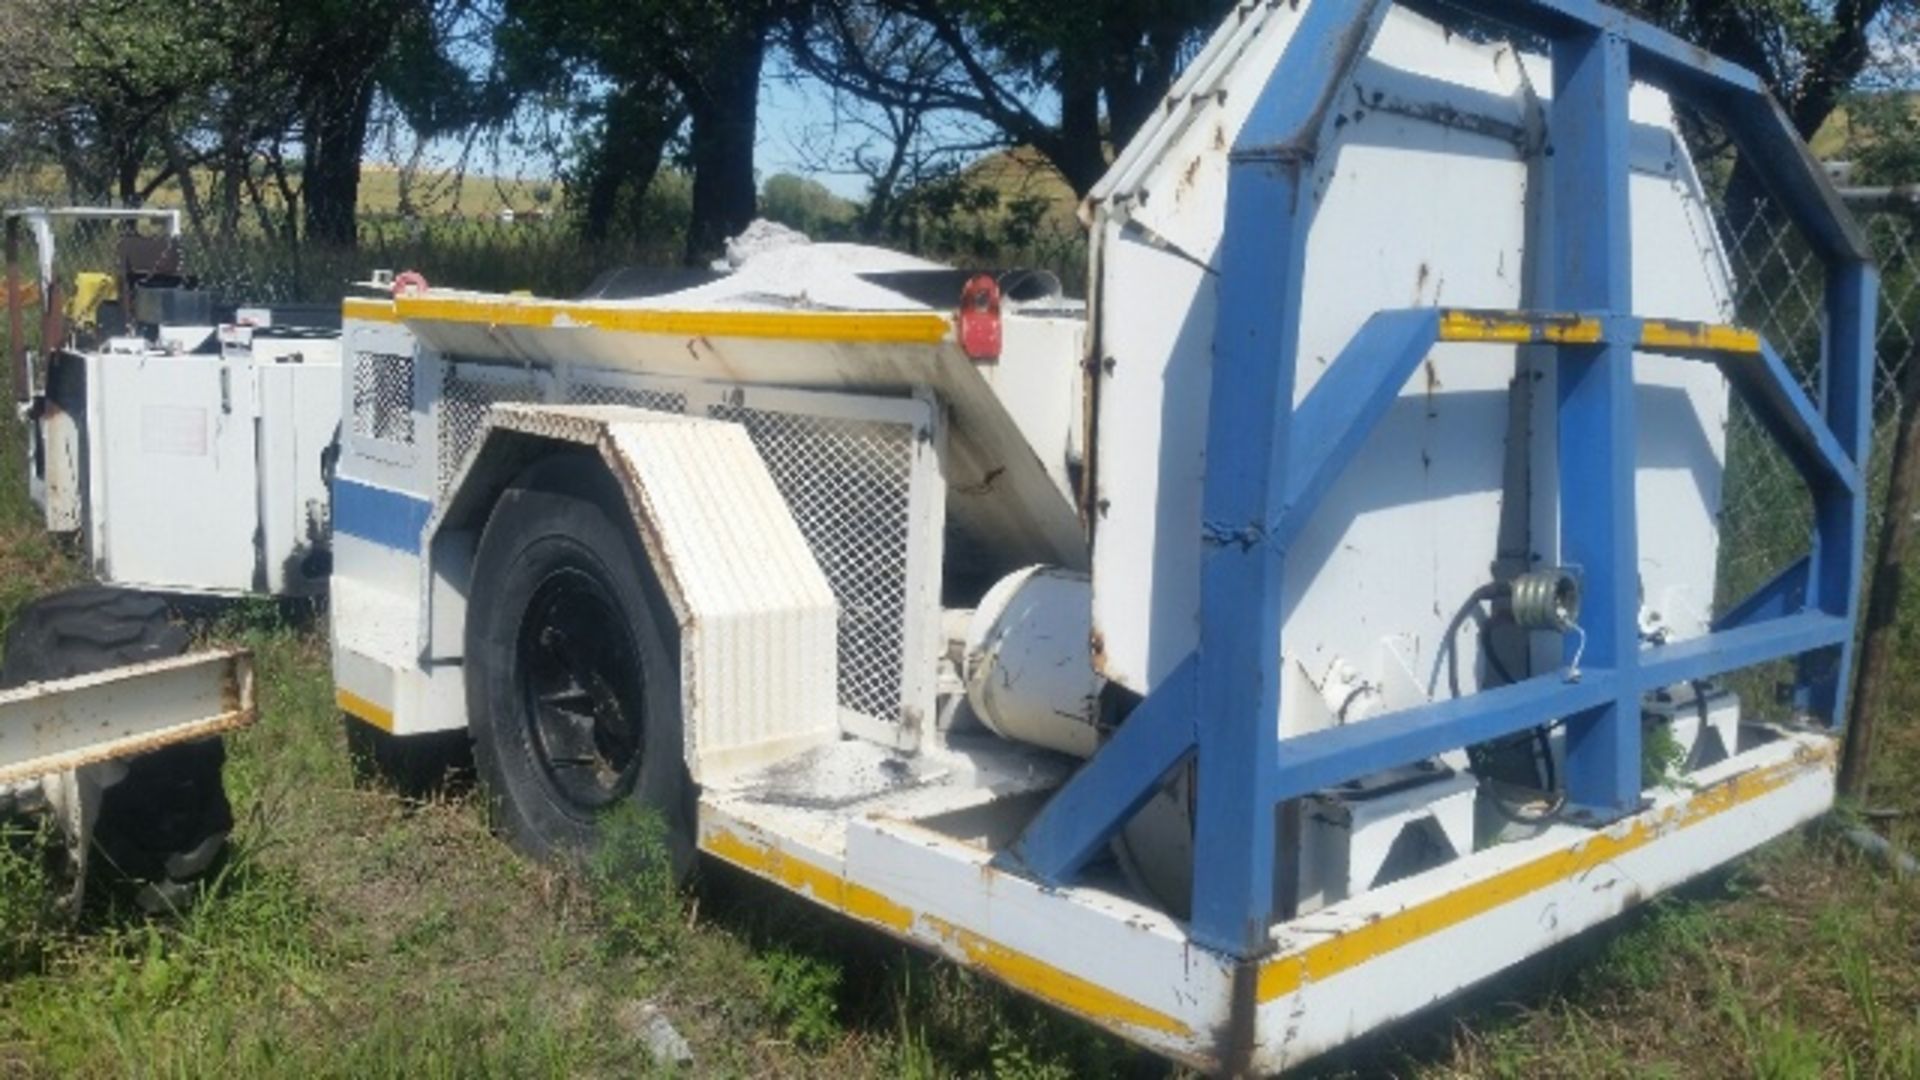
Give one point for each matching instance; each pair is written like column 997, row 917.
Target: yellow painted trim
column 1518, row 329
column 1049, row 983
column 904, row 328
column 1286, row 974
column 799, row 875
column 368, row 310
column 1017, row 969
column 363, row 710
column 1698, row 337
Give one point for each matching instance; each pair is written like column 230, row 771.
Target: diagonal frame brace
column 1099, row 800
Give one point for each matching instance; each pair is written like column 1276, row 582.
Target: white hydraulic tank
column 1028, row 675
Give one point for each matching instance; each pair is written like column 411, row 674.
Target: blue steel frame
column 1269, row 462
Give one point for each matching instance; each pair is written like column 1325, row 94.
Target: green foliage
column 1674, row 931
column 1014, row 1058
column 1809, row 52
column 1883, row 137
column 806, row 205
column 28, row 920
column 631, row 876
column 801, row 991
column 1661, row 756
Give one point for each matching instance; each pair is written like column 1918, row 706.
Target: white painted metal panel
column 299, row 412
column 1421, row 201
column 68, row 723
column 757, row 616
column 174, row 477
column 1123, row 966
column 1040, row 381
column 999, row 491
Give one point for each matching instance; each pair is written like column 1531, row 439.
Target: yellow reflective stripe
column 906, row 328
column 1698, row 337
column 799, row 875
column 1286, row 974
column 1517, row 328
column 1017, row 969
column 368, row 310
column 361, row 709
column 1049, row 983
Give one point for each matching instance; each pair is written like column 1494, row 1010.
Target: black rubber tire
column 565, row 516
column 163, row 827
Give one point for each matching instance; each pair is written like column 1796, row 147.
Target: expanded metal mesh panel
column 587, row 393
column 463, row 402
column 848, row 484
column 383, row 397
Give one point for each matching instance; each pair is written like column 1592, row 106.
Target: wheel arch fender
column 757, row 619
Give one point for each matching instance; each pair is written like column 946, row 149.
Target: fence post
column 1880, row 644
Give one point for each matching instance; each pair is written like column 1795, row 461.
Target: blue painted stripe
column 391, row 519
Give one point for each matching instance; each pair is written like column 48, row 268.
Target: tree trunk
column 637, row 131
column 336, row 135
column 1079, row 154
column 725, row 197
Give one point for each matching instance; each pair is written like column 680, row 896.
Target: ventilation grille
column 847, row 483
column 383, row 397
column 601, row 394
column 463, row 402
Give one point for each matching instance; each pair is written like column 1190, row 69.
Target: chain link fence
column 1779, row 290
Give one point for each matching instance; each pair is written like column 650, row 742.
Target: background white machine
column 180, row 438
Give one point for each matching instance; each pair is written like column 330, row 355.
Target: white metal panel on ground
column 1421, row 202
column 60, row 725
column 205, row 471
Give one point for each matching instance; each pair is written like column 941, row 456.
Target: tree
column 1105, row 65
column 338, row 49
column 128, row 96
column 806, row 205
column 637, row 72
column 714, row 52
column 1811, row 53
column 110, row 89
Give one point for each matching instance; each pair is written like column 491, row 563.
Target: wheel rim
column 581, row 690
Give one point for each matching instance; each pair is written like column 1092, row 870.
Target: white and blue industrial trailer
column 987, row 858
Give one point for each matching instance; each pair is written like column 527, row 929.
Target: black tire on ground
column 163, row 827
column 414, row 766
column 572, row 673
